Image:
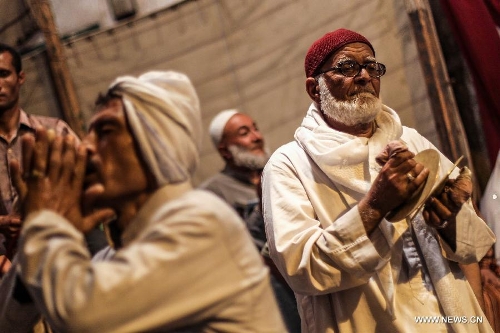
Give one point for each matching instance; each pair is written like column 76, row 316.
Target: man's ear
column 21, row 77
column 312, row 88
column 224, row 152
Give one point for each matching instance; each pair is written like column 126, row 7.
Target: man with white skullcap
column 239, row 142
column 183, row 260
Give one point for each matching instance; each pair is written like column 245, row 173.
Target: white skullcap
column 163, row 111
column 218, row 123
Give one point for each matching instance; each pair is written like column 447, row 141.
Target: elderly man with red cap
column 182, row 261
column 355, row 219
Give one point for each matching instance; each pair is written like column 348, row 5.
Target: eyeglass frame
column 361, row 66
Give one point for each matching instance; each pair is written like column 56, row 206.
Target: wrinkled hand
column 393, row 186
column 54, row 170
column 399, row 179
column 10, row 225
column 441, row 210
column 393, row 148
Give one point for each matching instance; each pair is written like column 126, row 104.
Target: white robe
column 346, row 281
column 187, row 263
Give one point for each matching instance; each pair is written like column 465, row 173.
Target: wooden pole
column 61, row 77
column 449, row 125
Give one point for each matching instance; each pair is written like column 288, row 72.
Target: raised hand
column 52, row 178
column 441, row 210
column 399, row 178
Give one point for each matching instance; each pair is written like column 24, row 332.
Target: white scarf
column 342, row 156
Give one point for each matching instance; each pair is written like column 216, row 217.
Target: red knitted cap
column 321, row 49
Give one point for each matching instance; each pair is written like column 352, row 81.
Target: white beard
column 361, row 110
column 243, row 157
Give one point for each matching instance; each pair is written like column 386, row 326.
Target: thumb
column 462, row 187
column 97, row 217
column 393, row 148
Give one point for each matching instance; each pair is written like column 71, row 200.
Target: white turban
column 218, row 123
column 163, row 112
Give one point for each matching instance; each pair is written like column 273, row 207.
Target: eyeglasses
column 351, row 68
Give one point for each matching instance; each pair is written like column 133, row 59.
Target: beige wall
column 245, row 54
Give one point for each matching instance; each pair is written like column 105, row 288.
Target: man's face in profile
column 115, row 172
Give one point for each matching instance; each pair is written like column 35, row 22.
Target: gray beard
column 242, row 157
column 361, row 110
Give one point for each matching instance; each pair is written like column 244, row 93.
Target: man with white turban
column 183, row 260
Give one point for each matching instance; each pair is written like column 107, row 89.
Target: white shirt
column 187, row 264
